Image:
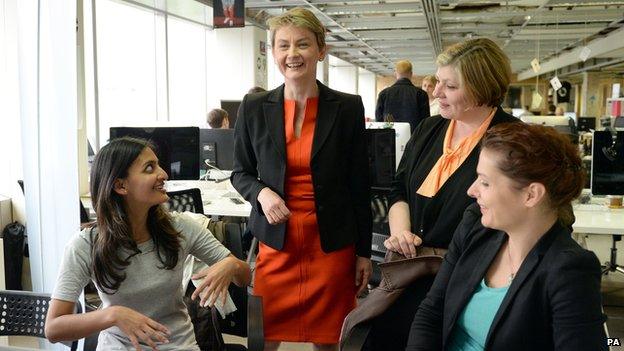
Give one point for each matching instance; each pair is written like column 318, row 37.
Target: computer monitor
column 402, row 135
column 585, row 124
column 381, row 157
column 231, row 106
column 216, row 146
column 607, row 172
column 177, row 148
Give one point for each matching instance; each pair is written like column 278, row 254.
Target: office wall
column 343, row 76
column 239, row 64
column 366, row 89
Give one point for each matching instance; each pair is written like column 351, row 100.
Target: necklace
column 512, row 273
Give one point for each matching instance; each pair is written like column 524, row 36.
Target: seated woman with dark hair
column 513, row 278
column 135, row 255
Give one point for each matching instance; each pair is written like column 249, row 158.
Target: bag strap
column 216, row 328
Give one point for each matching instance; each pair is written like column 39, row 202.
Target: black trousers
column 390, row 331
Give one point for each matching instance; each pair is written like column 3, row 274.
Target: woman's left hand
column 363, row 271
column 216, row 280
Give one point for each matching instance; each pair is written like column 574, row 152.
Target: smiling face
column 296, row 53
column 145, row 184
column 450, row 93
column 502, row 204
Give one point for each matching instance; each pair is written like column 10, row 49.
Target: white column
column 48, row 111
column 239, row 63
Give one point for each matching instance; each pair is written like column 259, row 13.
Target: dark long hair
column 113, row 246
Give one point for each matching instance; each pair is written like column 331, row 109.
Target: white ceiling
column 373, row 34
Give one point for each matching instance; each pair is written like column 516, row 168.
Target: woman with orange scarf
column 439, row 164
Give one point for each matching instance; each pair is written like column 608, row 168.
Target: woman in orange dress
column 301, row 160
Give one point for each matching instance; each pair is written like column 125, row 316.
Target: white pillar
column 48, row 111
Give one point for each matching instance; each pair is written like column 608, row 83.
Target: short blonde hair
column 403, row 67
column 298, row 17
column 484, row 69
column 431, row 79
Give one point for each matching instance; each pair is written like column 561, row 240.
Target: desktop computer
column 607, row 172
column 216, row 148
column 177, row 148
column 585, row 124
column 381, row 157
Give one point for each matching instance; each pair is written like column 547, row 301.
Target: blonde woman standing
column 428, row 85
column 300, row 159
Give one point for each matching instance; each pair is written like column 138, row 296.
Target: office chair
column 255, row 328
column 246, row 321
column 186, row 200
column 381, row 232
column 24, row 313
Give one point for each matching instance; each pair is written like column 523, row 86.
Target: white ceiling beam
column 613, row 41
column 373, row 8
column 393, row 34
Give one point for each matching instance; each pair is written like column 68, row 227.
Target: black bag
column 14, row 235
column 205, row 323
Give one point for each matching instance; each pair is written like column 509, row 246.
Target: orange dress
column 306, row 293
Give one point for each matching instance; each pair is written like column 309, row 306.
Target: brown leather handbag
column 397, row 273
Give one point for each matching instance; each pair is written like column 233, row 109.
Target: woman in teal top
column 513, row 278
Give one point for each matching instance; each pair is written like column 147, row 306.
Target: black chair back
column 24, row 313
column 186, row 200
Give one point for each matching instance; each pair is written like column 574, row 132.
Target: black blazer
column 405, row 101
column 339, row 166
column 553, row 302
column 435, row 219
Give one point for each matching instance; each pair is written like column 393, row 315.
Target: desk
column 598, row 219
column 216, row 197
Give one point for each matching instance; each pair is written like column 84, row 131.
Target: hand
column 403, row 242
column 363, row 271
column 216, row 280
column 273, row 206
column 138, row 327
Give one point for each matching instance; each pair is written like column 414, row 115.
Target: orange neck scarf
column 451, row 158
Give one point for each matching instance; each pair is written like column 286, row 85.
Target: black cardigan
column 339, row 166
column 553, row 303
column 435, row 219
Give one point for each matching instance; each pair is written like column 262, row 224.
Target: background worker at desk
column 218, row 119
column 300, row 159
column 404, row 101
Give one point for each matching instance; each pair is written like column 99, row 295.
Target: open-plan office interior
column 76, row 74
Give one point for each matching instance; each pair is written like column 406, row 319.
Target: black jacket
column 435, row 219
column 553, row 303
column 404, row 101
column 339, row 166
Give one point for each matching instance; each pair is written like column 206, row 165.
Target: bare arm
column 401, row 239
column 217, row 278
column 62, row 324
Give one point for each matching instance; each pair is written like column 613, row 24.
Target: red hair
column 539, row 154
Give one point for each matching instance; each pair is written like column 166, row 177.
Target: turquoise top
column 474, row 323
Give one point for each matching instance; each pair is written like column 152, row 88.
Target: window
column 187, row 72
column 126, row 64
